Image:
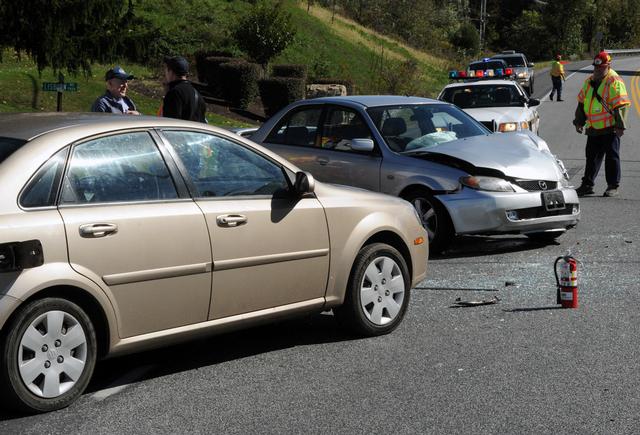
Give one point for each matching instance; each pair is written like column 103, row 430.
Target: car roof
column 27, row 126
column 374, row 100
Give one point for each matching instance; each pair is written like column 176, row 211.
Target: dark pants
column 557, row 86
column 597, row 148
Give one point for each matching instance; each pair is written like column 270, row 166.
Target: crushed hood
column 515, row 155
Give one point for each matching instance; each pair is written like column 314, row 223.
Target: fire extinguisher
column 566, row 270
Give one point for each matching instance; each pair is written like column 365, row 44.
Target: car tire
column 45, row 370
column 377, row 293
column 435, row 220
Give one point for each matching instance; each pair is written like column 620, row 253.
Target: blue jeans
column 597, row 148
column 557, row 86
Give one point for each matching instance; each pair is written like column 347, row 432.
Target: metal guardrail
column 624, row 52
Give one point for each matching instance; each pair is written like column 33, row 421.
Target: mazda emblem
column 542, row 184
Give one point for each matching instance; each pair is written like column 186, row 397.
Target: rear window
column 513, row 61
column 482, row 66
column 8, row 145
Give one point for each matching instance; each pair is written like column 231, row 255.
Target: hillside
column 331, row 48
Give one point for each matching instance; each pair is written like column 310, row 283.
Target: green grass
column 21, row 90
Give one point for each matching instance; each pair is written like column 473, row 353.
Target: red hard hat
column 558, row 56
column 602, row 59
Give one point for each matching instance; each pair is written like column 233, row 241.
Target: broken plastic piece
column 460, row 303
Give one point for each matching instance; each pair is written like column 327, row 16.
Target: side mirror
column 305, row 183
column 362, row 145
column 534, row 102
column 531, row 64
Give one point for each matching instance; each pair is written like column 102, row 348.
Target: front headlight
column 522, row 75
column 507, row 126
column 491, row 184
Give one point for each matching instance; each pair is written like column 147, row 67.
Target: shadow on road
column 517, row 310
column 314, row 329
column 474, row 246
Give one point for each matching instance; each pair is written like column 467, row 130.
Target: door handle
column 231, row 220
column 323, row 161
column 97, row 230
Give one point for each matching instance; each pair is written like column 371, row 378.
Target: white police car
column 501, row 105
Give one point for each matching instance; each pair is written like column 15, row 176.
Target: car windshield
column 8, row 145
column 469, row 97
column 513, row 61
column 411, row 127
column 483, row 66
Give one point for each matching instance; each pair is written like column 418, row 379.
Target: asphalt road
column 518, row 366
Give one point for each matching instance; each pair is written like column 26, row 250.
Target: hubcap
column 382, row 291
column 428, row 216
column 52, row 354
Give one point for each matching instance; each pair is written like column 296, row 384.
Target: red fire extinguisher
column 566, row 270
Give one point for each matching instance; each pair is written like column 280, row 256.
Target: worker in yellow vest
column 557, row 77
column 602, row 109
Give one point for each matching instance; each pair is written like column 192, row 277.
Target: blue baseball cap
column 117, row 73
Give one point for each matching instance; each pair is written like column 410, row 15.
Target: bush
column 210, row 68
column 239, row 81
column 278, row 92
column 351, row 88
column 201, row 63
column 297, row 71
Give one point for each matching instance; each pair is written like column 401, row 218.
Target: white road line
column 122, row 383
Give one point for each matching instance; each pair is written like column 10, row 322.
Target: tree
column 467, row 38
column 63, row 34
column 265, row 32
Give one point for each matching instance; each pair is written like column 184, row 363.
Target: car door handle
column 231, row 220
column 97, row 230
column 323, row 161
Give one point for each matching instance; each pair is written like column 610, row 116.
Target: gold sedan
column 119, row 234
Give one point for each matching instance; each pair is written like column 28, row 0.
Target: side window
column 43, row 187
column 298, row 128
column 125, row 167
column 340, row 126
column 219, row 167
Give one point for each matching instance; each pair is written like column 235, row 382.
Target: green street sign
column 59, row 87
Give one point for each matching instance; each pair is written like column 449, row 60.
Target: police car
column 501, row 105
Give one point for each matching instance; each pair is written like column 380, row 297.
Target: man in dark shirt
column 115, row 99
column 181, row 101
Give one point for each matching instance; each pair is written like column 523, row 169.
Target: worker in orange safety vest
column 602, row 109
column 557, row 77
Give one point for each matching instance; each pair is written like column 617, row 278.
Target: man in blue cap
column 115, row 99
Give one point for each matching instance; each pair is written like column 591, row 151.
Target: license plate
column 553, row 200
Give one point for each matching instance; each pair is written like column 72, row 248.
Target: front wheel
column 378, row 291
column 48, row 355
column 435, row 220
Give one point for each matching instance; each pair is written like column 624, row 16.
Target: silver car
column 461, row 178
column 119, row 234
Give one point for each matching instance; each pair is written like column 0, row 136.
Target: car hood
column 514, row 155
column 499, row 114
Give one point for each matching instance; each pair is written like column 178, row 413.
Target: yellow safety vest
column 613, row 94
column 557, row 70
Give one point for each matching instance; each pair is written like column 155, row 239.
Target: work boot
column 550, row 97
column 585, row 190
column 559, row 99
column 611, row 192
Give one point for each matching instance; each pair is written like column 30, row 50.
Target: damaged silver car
column 461, row 178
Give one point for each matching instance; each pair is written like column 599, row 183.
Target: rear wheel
column 48, row 355
column 378, row 291
column 435, row 219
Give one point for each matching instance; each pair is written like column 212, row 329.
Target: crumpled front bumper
column 479, row 212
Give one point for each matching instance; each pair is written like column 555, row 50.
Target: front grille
column 536, row 185
column 539, row 212
column 490, row 125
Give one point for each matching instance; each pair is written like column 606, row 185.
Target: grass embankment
column 338, row 48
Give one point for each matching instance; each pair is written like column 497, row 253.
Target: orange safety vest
column 613, row 94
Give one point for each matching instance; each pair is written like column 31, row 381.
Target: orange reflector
column 418, row 241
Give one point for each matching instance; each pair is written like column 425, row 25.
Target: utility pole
column 483, row 23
